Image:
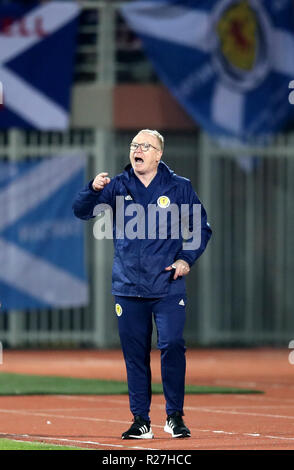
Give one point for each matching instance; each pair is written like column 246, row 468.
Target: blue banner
column 41, row 242
column 37, row 48
column 228, row 62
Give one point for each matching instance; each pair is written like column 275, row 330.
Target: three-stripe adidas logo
column 143, row 429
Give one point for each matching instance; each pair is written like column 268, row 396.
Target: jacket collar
column 165, row 172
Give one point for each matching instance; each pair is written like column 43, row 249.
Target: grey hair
column 159, row 137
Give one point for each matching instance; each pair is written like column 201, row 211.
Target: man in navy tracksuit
column 151, row 259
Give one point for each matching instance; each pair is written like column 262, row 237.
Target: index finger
column 177, row 269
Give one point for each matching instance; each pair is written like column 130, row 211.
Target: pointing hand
column 100, row 181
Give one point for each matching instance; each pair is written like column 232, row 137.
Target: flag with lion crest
column 228, row 62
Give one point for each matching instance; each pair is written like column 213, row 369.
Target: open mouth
column 139, row 160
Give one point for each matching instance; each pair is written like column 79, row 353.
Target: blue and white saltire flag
column 228, row 62
column 37, row 48
column 41, row 242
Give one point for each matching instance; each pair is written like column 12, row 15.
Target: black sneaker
column 176, row 426
column 140, row 429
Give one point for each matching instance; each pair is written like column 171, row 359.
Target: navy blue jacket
column 139, row 263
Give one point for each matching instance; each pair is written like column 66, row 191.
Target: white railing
column 249, row 270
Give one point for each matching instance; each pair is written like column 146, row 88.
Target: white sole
column 147, row 435
column 168, row 429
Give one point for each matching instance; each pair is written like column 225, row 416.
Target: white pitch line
column 212, row 410
column 281, row 437
column 258, row 385
column 265, row 399
column 59, row 439
column 49, row 410
column 215, row 431
column 48, row 415
column 83, row 418
column 121, row 401
column 206, row 410
column 243, row 413
column 94, row 399
column 223, row 432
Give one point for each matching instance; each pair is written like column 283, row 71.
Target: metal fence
column 249, row 269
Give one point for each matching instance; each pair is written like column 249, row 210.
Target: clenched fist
column 100, row 181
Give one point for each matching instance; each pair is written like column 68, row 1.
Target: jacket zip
column 139, row 245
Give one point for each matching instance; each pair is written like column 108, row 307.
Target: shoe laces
column 138, row 422
column 176, row 418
